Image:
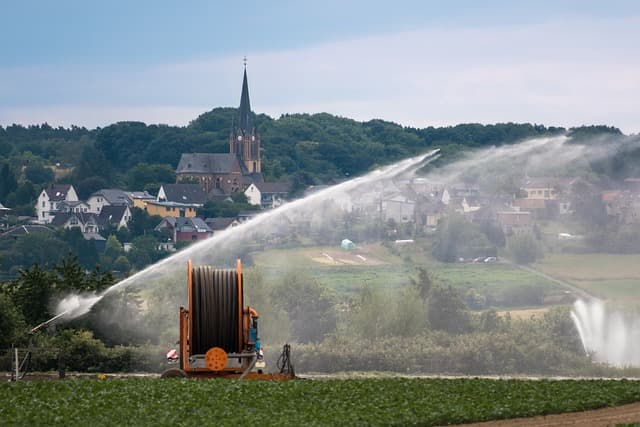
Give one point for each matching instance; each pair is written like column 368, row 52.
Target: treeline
column 307, row 149
column 422, row 327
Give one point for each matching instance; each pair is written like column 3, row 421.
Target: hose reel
column 215, row 311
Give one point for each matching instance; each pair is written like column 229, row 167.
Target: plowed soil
column 625, row 414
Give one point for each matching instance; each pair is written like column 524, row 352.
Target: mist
column 278, row 246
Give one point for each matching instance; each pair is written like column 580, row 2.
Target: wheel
column 174, row 373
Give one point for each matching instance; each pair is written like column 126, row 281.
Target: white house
column 67, row 206
column 267, row 194
column 49, row 200
column 107, row 197
column 399, row 208
column 115, row 215
column 86, row 222
column 253, row 194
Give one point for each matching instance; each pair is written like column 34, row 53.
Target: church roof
column 244, row 111
column 208, row 163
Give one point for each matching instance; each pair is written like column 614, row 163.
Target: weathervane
column 245, row 62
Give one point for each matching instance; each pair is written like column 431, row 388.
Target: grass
column 609, row 276
column 390, row 269
column 395, row 401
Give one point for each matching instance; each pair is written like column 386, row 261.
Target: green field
column 609, row 276
column 396, row 401
column 388, row 269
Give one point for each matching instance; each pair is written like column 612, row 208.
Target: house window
column 43, row 203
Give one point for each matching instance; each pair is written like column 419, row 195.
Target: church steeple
column 244, row 112
column 244, row 141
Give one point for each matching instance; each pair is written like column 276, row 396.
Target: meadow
column 388, row 268
column 388, row 401
column 608, row 276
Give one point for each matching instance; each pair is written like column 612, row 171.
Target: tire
column 174, row 373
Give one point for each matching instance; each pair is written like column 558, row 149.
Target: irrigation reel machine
column 218, row 335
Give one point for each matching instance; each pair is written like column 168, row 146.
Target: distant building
column 267, row 194
column 221, row 223
column 182, row 193
column 139, row 198
column 118, row 216
column 230, row 172
column 107, row 197
column 514, row 221
column 185, row 229
column 86, row 222
column 49, row 200
column 176, row 210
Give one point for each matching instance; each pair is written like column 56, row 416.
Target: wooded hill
column 305, row 149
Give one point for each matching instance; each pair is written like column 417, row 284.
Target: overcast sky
column 418, row 63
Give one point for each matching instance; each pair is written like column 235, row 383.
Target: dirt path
column 624, row 414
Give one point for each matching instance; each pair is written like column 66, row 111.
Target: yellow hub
column 216, row 359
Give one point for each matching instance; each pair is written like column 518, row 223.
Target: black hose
column 215, row 310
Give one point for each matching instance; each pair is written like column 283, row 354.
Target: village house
column 73, row 206
column 185, row 229
column 138, row 199
column 221, row 223
column 86, row 222
column 514, row 221
column 267, row 194
column 173, row 209
column 49, row 200
column 118, row 216
column 182, row 193
column 107, row 197
column 622, row 206
column 399, row 207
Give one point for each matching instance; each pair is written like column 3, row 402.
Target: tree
column 308, row 304
column 446, row 311
column 8, row 181
column 11, row 321
column 144, row 175
column 142, row 223
column 523, row 248
column 423, row 283
column 38, row 174
column 36, row 248
column 33, row 290
column 121, row 264
column 458, row 238
column 112, row 250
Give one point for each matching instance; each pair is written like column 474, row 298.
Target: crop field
column 344, row 272
column 609, row 276
column 391, row 401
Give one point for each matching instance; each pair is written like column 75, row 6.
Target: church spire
column 244, row 112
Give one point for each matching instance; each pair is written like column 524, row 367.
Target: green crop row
column 396, row 401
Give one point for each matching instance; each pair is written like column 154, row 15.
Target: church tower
column 244, row 141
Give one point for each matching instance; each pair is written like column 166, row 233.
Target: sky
column 417, row 63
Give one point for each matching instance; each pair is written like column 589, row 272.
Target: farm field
column 344, row 272
column 391, row 401
column 608, row 276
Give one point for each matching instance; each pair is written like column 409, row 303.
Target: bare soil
column 625, row 414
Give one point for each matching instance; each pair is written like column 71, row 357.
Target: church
column 225, row 173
